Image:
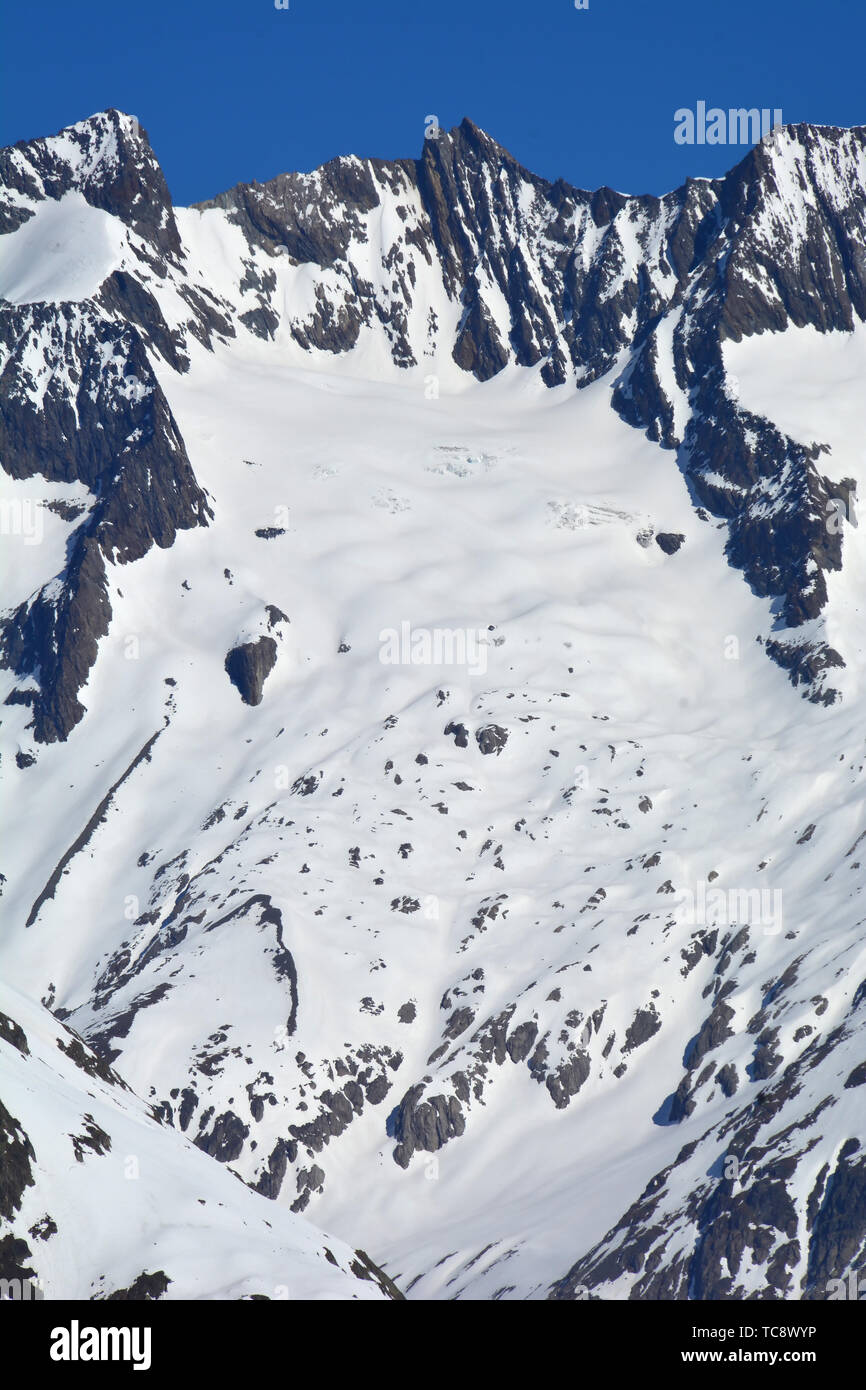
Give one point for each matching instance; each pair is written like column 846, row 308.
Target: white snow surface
column 63, row 252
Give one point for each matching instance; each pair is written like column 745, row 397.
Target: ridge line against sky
column 230, row 93
column 737, row 155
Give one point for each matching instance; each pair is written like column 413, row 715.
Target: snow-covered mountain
column 398, row 794
column 95, row 1186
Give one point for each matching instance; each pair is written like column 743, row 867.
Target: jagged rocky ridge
column 79, row 401
column 550, row 276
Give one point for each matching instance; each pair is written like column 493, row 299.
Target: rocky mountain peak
column 109, row 160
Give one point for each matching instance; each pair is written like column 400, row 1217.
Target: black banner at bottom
column 81, row 1341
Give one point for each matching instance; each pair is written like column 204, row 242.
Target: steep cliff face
column 79, row 399
column 786, row 250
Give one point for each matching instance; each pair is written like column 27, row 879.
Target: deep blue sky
column 236, row 91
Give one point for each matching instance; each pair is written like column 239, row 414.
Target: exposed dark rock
column 310, row 1179
column 714, row 1031
column 425, row 1125
column 44, row 1228
column 93, row 1139
column 364, row 1268
column 13, row 1254
column 147, row 1288
column 669, row 541
column 124, row 446
column 249, row 665
column 188, row 1106
column 521, row 1041
column 11, row 1032
column 645, row 1024
column 838, row 1235
column 857, row 1077
column 16, row 1158
column 491, row 739
column 727, row 1078
column 89, row 1062
column 225, row 1142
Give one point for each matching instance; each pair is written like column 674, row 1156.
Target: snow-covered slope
column 100, row 1199
column 405, row 805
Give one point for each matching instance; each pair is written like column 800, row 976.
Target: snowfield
column 64, row 252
